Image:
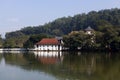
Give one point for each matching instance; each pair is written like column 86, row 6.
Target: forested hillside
column 65, row 25
column 106, row 22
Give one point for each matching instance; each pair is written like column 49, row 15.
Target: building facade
column 89, row 30
column 48, row 44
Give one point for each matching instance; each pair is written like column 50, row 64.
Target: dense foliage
column 106, row 24
column 107, row 38
column 33, row 40
column 15, row 42
column 65, row 25
column 1, row 41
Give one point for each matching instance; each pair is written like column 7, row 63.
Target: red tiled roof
column 48, row 41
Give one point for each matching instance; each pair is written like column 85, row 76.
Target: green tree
column 1, row 41
column 75, row 39
column 34, row 39
column 15, row 42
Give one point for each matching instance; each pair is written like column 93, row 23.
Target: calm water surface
column 59, row 66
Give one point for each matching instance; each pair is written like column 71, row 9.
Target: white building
column 48, row 44
column 89, row 30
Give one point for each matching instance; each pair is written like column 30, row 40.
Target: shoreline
column 32, row 49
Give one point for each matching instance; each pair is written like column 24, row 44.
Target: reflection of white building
column 48, row 44
column 48, row 54
column 51, row 57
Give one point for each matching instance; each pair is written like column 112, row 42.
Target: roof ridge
column 88, row 28
column 48, row 41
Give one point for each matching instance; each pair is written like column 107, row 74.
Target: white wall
column 48, row 47
column 89, row 32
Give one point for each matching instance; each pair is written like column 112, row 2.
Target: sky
column 17, row 14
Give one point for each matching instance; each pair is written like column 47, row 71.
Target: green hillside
column 65, row 25
column 106, row 23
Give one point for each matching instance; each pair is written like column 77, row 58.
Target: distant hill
column 65, row 25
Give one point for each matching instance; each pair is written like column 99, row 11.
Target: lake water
column 59, row 66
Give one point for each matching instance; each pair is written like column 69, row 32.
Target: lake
column 59, row 66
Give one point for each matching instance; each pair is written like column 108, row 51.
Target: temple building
column 89, row 30
column 48, row 44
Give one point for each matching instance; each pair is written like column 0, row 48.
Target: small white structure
column 48, row 44
column 89, row 30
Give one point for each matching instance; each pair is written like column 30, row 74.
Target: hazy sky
column 16, row 14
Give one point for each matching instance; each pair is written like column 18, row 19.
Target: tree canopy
column 65, row 25
column 106, row 24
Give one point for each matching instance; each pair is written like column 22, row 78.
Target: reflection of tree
column 92, row 66
column 15, row 59
column 87, row 66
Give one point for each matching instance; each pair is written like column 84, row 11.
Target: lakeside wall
column 12, row 50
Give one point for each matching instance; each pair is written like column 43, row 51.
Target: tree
column 75, row 39
column 15, row 42
column 63, row 26
column 1, row 41
column 34, row 39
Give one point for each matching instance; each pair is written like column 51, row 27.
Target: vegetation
column 65, row 25
column 106, row 24
column 108, row 38
column 1, row 41
column 33, row 39
column 15, row 42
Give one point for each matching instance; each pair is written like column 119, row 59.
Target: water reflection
column 65, row 65
column 52, row 57
column 12, row 51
